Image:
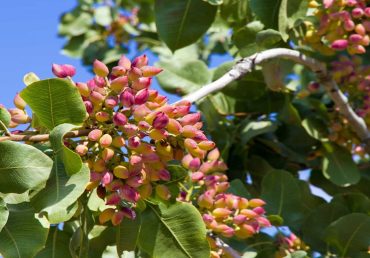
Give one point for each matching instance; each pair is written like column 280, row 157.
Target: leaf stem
column 3, row 126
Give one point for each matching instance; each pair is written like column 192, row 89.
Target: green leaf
column 56, row 245
column 355, row 202
column 30, row 78
column 4, row 214
column 23, row 235
column 245, row 38
column 99, row 243
column 234, row 10
column 127, row 234
column 103, row 15
column 268, row 38
column 72, row 161
column 289, row 12
column 183, row 77
column 315, row 223
column 60, row 192
column 181, row 23
column 75, row 23
column 174, row 231
column 55, row 101
column 316, row 128
column 5, row 117
column 238, row 188
column 255, row 128
column 338, row 165
column 281, row 192
column 266, row 11
column 349, row 234
column 22, row 167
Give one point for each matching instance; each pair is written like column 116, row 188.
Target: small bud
column 111, row 102
column 134, row 74
column 107, row 177
column 214, row 154
column 63, row 71
column 129, row 194
column 174, row 127
column 190, row 119
column 206, row 145
column 113, row 199
column 117, row 218
column 100, row 69
column 256, row 203
column 96, row 97
column 164, row 175
column 239, row 219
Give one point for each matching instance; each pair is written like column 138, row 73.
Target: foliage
column 122, row 167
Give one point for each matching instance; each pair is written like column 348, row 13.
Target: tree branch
column 42, row 137
column 247, row 64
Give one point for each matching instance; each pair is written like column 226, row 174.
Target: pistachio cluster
column 134, row 137
column 343, row 25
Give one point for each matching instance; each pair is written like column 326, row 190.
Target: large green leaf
column 281, row 192
column 128, row 234
column 289, row 12
column 321, row 217
column 75, row 23
column 173, row 231
column 55, row 101
column 23, row 235
column 182, row 22
column 4, row 213
column 183, row 77
column 349, row 234
column 5, row 117
column 22, row 167
column 60, row 192
column 255, row 128
column 101, row 238
column 72, row 161
column 56, row 245
column 338, row 165
column 245, row 38
column 234, row 10
column 267, row 11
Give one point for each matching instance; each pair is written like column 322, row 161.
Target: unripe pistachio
column 141, row 83
column 63, row 71
column 140, row 61
column 245, row 231
column 127, row 98
column 96, row 97
column 118, row 71
column 206, row 145
column 162, row 192
column 256, row 203
column 121, row 172
column 160, row 121
column 107, row 154
column 113, row 199
column 149, row 71
column 117, row 218
column 100, row 69
column 119, row 119
column 125, row 62
column 164, row 175
column 141, row 96
column 129, row 194
column 19, row 102
column 214, row 154
column 83, row 89
column 111, row 102
column 106, row 215
column 118, row 84
column 194, row 164
column 134, row 181
column 239, row 219
column 81, row 149
column 134, row 74
column 105, row 141
column 221, row 213
column 339, row 44
column 118, row 142
column 145, row 191
column 107, row 177
column 102, row 116
column 95, row 135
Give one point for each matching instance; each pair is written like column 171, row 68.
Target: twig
column 247, row 64
column 42, row 137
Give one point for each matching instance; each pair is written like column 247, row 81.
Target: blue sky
column 29, row 42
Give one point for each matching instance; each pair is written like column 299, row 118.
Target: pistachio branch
column 246, row 65
column 42, row 137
